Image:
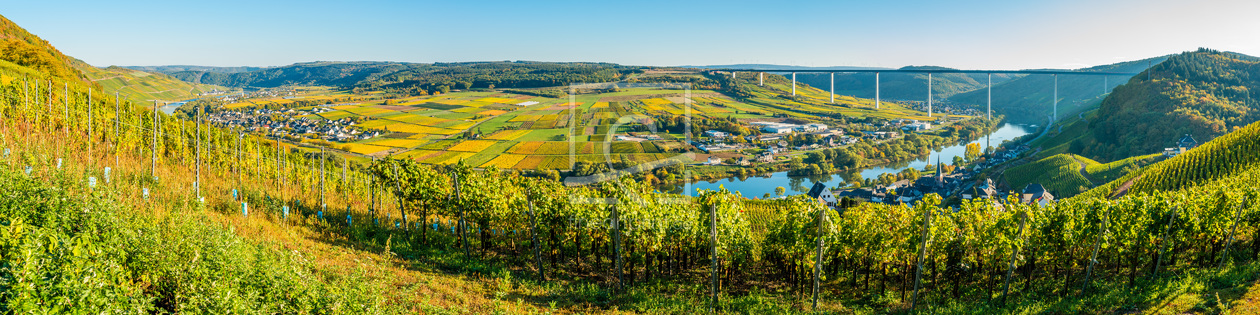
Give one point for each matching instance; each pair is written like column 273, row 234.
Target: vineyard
column 1060, row 174
column 620, row 237
column 1222, row 157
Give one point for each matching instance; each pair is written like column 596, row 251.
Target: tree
column 973, row 151
column 780, row 191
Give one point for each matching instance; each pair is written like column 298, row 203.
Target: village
column 289, row 122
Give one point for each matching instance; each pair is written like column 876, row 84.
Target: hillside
column 902, row 86
column 416, row 77
column 1222, row 157
column 180, row 68
column 1063, row 175
column 25, row 49
column 1203, row 93
column 1028, row 99
column 143, row 87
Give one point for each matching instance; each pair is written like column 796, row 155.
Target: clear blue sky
column 962, row 34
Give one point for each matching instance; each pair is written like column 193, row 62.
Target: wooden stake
column 918, row 271
column 1010, row 268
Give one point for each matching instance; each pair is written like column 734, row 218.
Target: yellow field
column 472, row 146
column 524, row 118
column 419, row 120
column 504, row 161
column 508, row 135
column 420, row 154
column 365, row 148
column 525, row 147
column 493, row 112
column 398, row 143
column 346, row 107
column 409, row 128
column 448, row 158
column 599, row 105
column 655, row 101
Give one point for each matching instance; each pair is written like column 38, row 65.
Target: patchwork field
column 517, row 131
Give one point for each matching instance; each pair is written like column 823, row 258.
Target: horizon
column 1022, row 36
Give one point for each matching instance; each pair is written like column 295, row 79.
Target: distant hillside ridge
column 1028, row 99
column 902, row 86
column 418, row 77
column 180, row 68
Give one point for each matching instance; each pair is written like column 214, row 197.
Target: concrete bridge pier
column 989, row 86
column 929, row 94
column 1056, row 96
column 793, row 84
column 833, row 87
column 877, row 90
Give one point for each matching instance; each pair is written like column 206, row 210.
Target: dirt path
column 1083, row 172
column 1124, row 188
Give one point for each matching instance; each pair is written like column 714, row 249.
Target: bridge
column 761, row 80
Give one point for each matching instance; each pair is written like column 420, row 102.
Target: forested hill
column 416, row 77
column 1028, row 99
column 25, row 49
column 1204, row 93
column 902, row 86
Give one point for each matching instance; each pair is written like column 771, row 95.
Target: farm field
column 525, row 132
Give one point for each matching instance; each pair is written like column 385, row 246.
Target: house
column 919, row 126
column 812, row 128
column 1184, row 144
column 765, row 158
column 774, row 127
column 1035, row 193
column 713, row 160
column 982, row 191
column 716, row 134
column 820, row 191
column 1187, row 142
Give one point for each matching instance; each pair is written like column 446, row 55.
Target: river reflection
column 758, row 186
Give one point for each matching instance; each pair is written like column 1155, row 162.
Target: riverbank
column 757, row 185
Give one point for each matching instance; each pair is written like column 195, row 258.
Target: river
column 758, row 186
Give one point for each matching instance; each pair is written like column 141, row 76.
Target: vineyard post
column 533, row 233
column 323, row 203
column 918, row 271
column 344, row 192
column 616, row 230
column 65, row 123
column 1159, row 260
column 153, row 145
column 197, row 183
column 822, row 214
column 1230, row 241
column 1010, row 267
column 117, row 125
column 89, row 127
column 712, row 258
column 372, row 193
column 463, row 226
column 1093, row 258
column 239, row 136
column 398, row 190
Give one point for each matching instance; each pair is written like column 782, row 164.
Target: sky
column 1009, row 34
